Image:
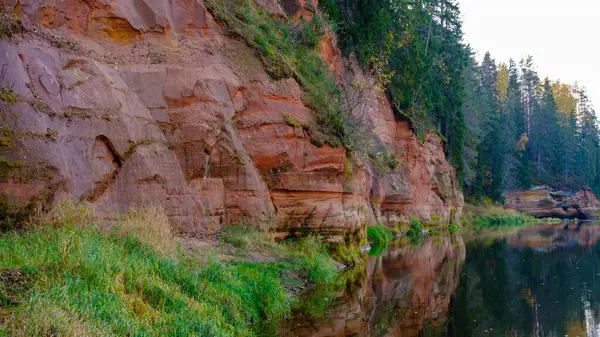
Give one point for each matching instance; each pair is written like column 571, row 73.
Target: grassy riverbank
column 65, row 276
column 490, row 216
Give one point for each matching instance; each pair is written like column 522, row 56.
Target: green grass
column 453, row 228
column 379, row 235
column 499, row 221
column 65, row 279
column 491, row 216
column 415, row 233
column 380, row 238
column 377, row 250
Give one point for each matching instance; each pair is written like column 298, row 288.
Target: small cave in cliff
column 105, row 167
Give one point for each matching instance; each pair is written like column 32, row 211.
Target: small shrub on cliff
column 8, row 96
column 9, row 24
column 6, row 138
column 292, row 121
column 383, row 161
column 307, row 34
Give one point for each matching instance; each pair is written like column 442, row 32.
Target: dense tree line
column 525, row 131
column 504, row 126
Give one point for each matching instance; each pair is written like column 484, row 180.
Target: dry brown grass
column 151, row 225
column 66, row 212
column 52, row 321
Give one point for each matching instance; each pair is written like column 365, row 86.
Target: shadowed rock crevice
column 105, row 168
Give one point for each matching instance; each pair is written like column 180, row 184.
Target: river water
column 536, row 281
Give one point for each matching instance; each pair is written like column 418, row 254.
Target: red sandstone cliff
column 128, row 101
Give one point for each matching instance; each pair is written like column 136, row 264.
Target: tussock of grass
column 379, row 235
column 66, row 212
column 250, row 239
column 151, row 225
column 308, row 255
column 75, row 280
column 416, row 229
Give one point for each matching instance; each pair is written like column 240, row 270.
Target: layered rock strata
column 128, row 102
column 542, row 202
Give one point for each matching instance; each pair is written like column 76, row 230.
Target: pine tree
column 490, row 166
column 529, row 84
column 518, row 154
column 588, row 140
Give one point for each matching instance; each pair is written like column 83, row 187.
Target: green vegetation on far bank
column 65, row 276
column 490, row 216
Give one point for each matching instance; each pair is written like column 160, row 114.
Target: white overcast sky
column 563, row 36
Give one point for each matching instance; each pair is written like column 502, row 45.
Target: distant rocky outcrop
column 127, row 102
column 543, row 201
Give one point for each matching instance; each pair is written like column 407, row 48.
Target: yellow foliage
column 522, row 143
column 502, row 83
column 381, row 72
column 563, row 95
column 529, row 297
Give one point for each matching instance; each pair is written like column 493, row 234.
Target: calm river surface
column 536, row 281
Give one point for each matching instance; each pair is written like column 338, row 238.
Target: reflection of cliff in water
column 556, row 236
column 400, row 292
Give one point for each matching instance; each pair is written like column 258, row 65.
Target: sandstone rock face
column 127, row 102
column 542, row 201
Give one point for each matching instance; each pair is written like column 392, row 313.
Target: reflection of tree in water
column 522, row 291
